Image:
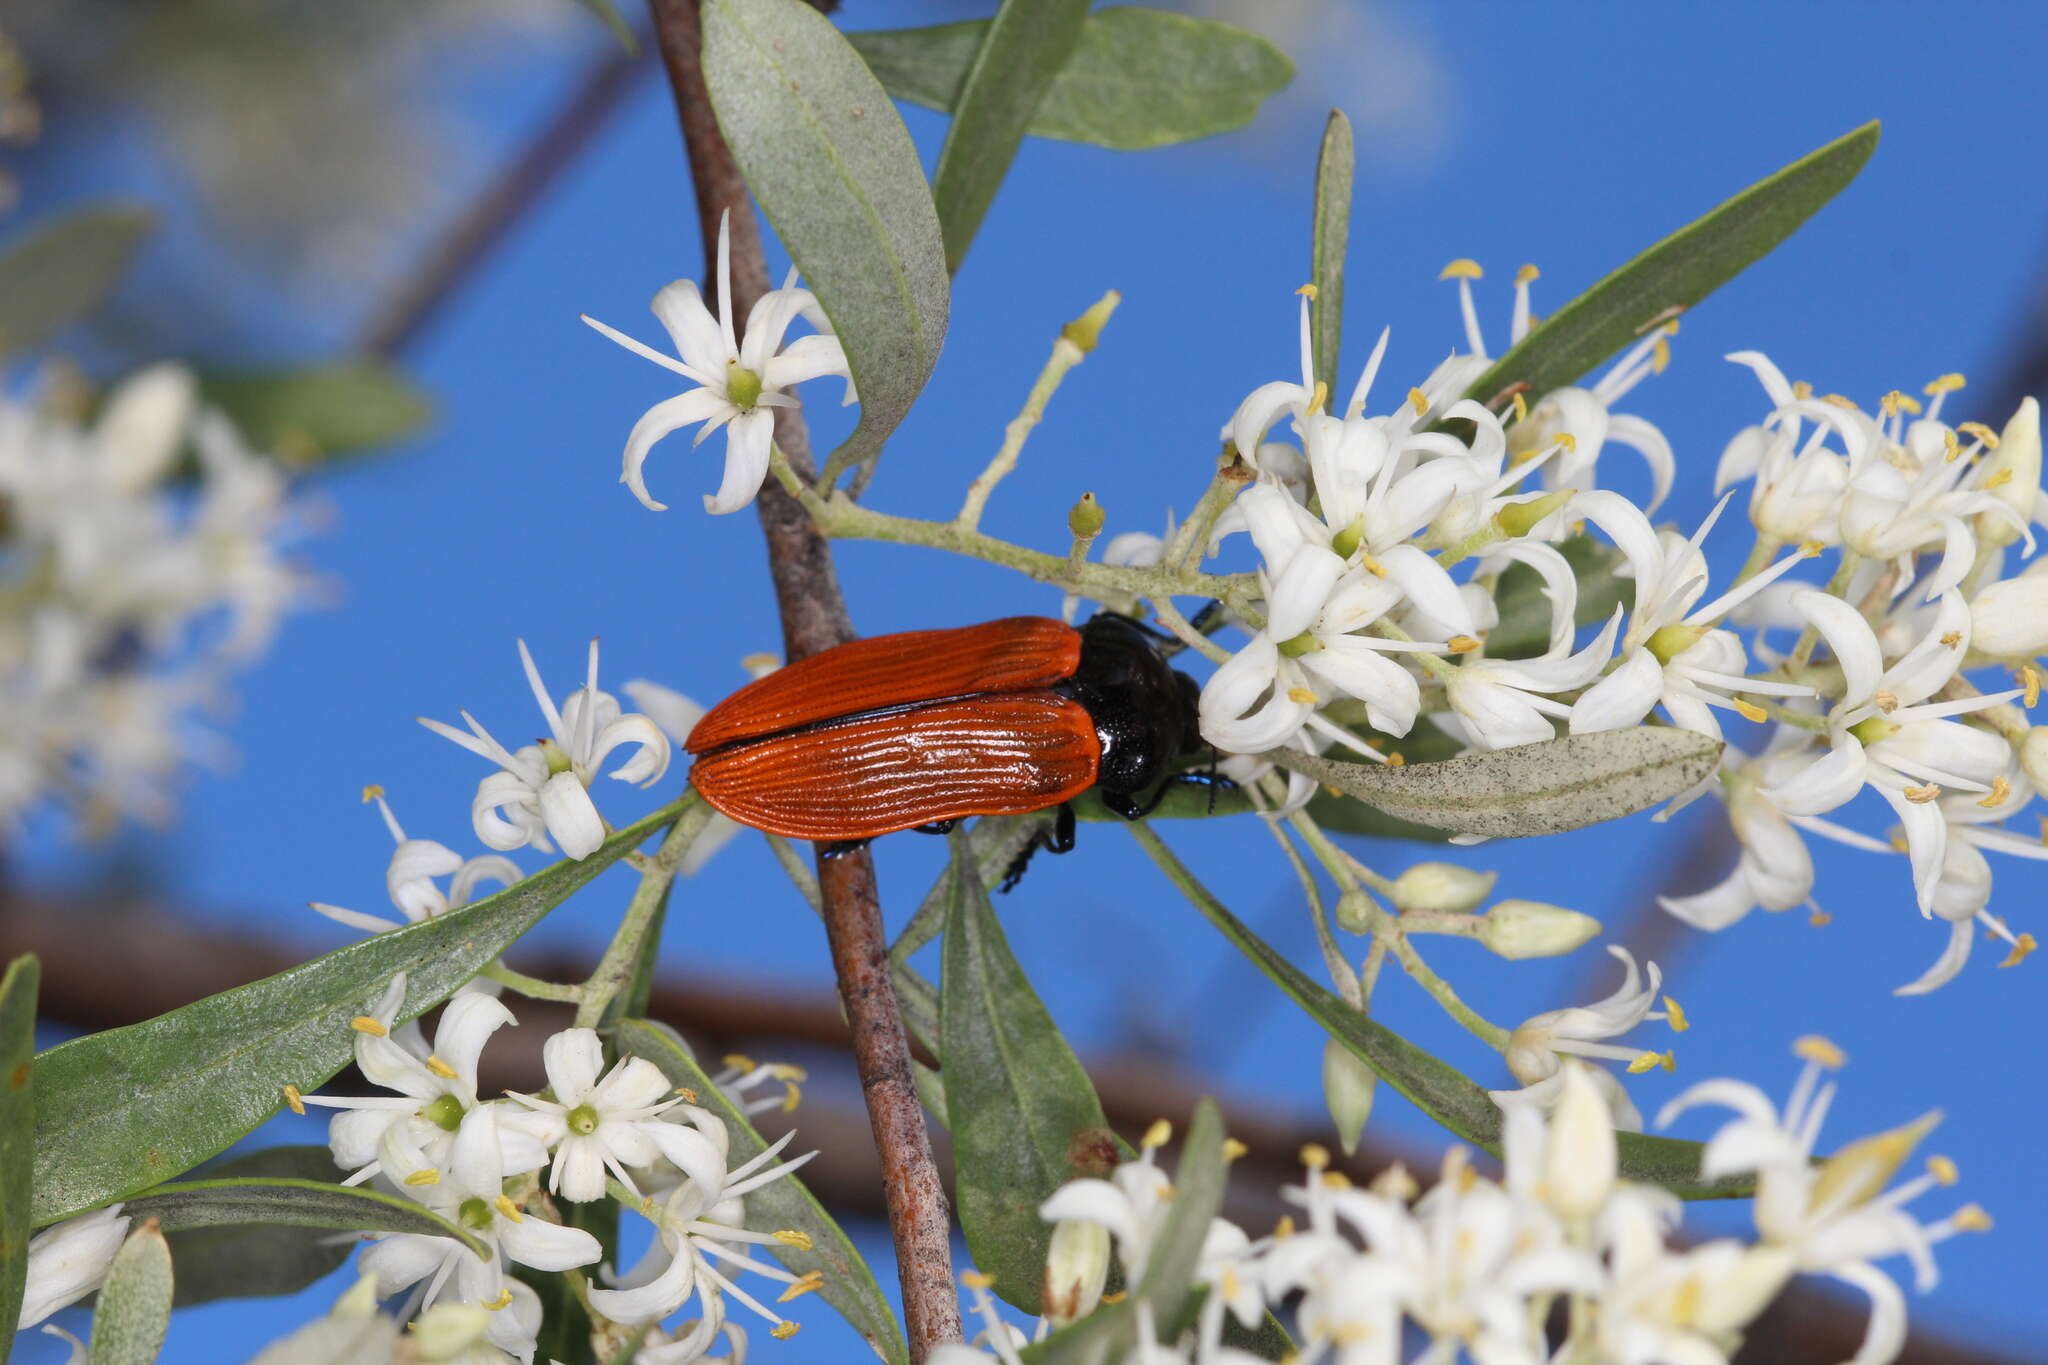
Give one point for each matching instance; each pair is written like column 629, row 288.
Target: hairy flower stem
column 1065, row 356
column 532, row 987
column 814, row 619
column 1267, row 793
column 616, row 968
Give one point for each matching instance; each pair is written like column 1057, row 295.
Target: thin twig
column 814, row 619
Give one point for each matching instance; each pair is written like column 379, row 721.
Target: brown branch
column 814, row 619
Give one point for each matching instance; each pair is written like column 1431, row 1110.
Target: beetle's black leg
column 1060, row 840
column 1122, row 803
column 936, row 827
column 839, row 848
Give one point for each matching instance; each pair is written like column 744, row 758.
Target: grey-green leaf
column 60, row 271
column 310, row 416
column 1676, row 273
column 17, row 1124
column 130, row 1107
column 1138, row 78
column 849, row 1284
column 1022, row 50
column 1424, row 743
column 1336, row 164
column 291, row 1202
column 1432, row 1085
column 134, row 1308
column 1023, row 1113
column 257, row 1260
column 832, row 165
column 1544, row 788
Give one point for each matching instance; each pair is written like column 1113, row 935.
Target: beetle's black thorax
column 1143, row 708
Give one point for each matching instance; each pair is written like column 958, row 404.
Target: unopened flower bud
column 1086, row 519
column 1086, row 330
column 1445, row 888
column 1076, row 1265
column 2012, row 474
column 1517, row 928
column 1348, row 1087
column 1354, row 912
column 2009, row 619
column 2034, row 757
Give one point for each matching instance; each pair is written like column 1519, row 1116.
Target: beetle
column 921, row 729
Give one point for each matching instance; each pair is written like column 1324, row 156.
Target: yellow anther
column 1646, row 1061
column 1335, row 1180
column 441, row 1068
column 371, row 793
column 2022, row 948
column 1521, row 406
column 1675, row 1016
column 1233, row 1149
column 1528, row 274
column 1839, row 400
column 686, row 1095
column 1660, row 356
column 1947, row 383
column 503, row 1204
column 1801, row 390
column 1158, row 1135
column 1302, row 695
column 784, row 1330
column 1999, row 478
column 1943, row 1170
column 1371, row 565
column 739, row 1061
column 1952, row 639
column 294, row 1099
column 1811, row 549
column 1314, row 1155
column 1418, row 400
column 418, row 1179
column 1461, row 644
column 1951, row 448
column 363, row 1023
column 2030, row 679
column 1887, row 702
column 1899, row 844
column 1168, row 1192
column 792, row 1096
column 502, row 1302
column 1283, row 1229
column 1921, row 795
column 1889, row 404
column 2000, row 790
column 1909, row 404
column 1397, row 761
column 791, row 1237
column 783, row 1071
column 1814, row 1048
column 1569, row 442
column 1981, row 432
column 977, row 1279
column 1971, row 1218
column 1307, row 291
column 1319, row 397
column 1669, row 1061
column 1117, row 1297
column 804, row 1284
column 1749, row 710
column 1229, row 1283
column 1820, row 919
column 1464, row 268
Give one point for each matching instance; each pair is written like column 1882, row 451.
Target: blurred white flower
column 1536, row 1049
column 68, row 1260
column 409, row 878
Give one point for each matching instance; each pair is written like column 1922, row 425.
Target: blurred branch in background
column 114, row 958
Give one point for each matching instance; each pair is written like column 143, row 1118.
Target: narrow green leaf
column 1022, row 50
column 1433, row 1086
column 849, row 1285
column 291, row 1202
column 134, row 1309
column 1677, row 272
column 827, row 156
column 1543, row 788
column 1138, row 78
column 1023, row 1113
column 60, row 271
column 308, row 417
column 251, row 1260
column 1524, row 628
column 608, row 14
column 1335, row 165
column 124, row 1109
column 17, row 1124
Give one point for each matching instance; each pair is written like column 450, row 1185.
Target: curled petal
column 1649, row 442
column 654, row 1300
column 520, row 822
column 1850, row 637
column 571, row 818
column 1299, row 594
column 811, row 357
column 746, row 461
column 645, row 766
column 1264, row 406
column 1953, row 955
column 1622, row 698
column 658, row 421
column 1825, row 783
column 547, row 1246
column 1236, row 687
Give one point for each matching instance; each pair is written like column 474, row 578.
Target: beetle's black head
column 1143, row 708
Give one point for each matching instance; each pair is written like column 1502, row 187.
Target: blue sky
column 1571, row 137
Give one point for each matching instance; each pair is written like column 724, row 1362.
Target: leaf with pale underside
column 1336, row 164
column 62, row 270
column 1547, row 788
column 134, row 1307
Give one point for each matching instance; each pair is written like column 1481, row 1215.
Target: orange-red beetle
column 918, row 730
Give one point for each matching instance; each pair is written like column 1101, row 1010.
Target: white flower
column 604, row 1123
column 1671, row 653
column 1131, row 1205
column 1962, row 893
column 68, row 1260
column 472, row 1194
column 543, row 790
column 409, row 879
column 740, row 382
column 1884, row 735
column 701, row 1225
column 677, row 715
column 1501, row 703
column 1534, row 1051
column 1834, row 1218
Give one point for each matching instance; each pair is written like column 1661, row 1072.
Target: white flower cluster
column 127, row 597
column 1474, row 1264
column 480, row 1163
column 1360, row 526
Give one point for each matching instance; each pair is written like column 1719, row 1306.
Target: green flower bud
column 1445, row 888
column 1086, row 330
column 1348, row 1087
column 1517, row 929
column 1076, row 1265
column 1354, row 912
column 1086, row 519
